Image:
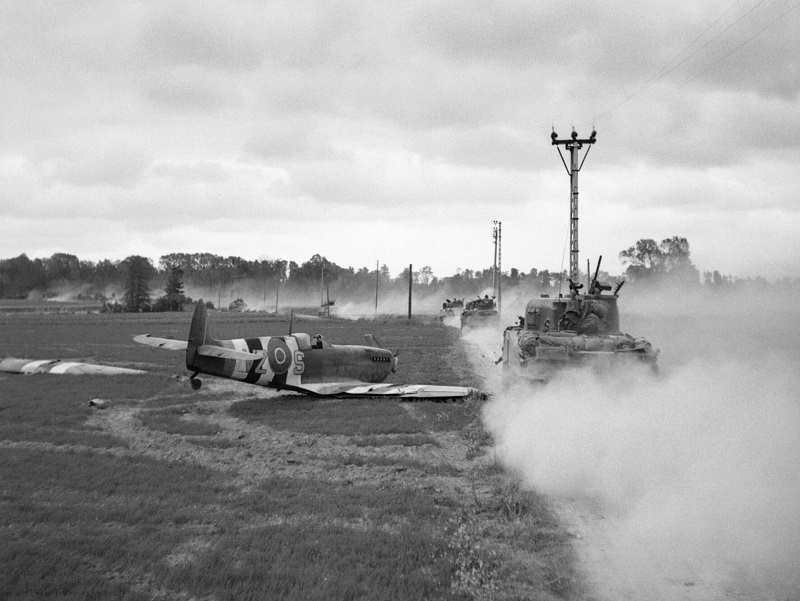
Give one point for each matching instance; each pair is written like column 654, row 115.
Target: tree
column 426, row 275
column 678, row 265
column 546, row 279
column 645, row 259
column 138, row 273
column 653, row 261
column 62, row 267
column 174, row 290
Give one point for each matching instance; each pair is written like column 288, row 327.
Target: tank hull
column 479, row 319
column 539, row 357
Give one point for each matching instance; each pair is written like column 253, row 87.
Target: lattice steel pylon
column 573, row 144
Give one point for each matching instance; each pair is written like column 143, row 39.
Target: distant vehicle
column 326, row 308
column 238, row 305
column 296, row 362
column 480, row 313
column 451, row 308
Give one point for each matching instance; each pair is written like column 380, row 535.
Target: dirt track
column 615, row 562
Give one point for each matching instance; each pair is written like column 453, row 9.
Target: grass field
column 237, row 492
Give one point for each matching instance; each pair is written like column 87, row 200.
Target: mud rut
column 260, row 452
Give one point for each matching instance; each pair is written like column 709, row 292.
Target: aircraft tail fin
column 372, row 341
column 199, row 334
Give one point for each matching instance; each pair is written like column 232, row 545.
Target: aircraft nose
column 394, row 363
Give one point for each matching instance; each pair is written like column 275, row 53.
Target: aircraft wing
column 406, row 391
column 167, row 343
column 211, row 350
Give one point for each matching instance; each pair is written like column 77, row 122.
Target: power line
column 667, row 69
column 740, row 46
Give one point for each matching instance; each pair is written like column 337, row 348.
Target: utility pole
column 377, row 281
column 410, row 281
column 322, row 285
column 494, row 258
column 574, row 145
column 497, row 229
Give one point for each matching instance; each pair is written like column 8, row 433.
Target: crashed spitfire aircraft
column 297, row 362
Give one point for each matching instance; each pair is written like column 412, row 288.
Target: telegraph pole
column 574, row 146
column 410, row 281
column 377, row 281
column 497, row 274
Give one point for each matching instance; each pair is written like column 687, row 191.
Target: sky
column 398, row 132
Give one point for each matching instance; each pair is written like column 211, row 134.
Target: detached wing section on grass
column 56, row 366
column 406, row 391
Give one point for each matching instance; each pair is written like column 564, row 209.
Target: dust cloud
column 683, row 485
column 348, row 304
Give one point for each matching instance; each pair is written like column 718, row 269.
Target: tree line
column 135, row 283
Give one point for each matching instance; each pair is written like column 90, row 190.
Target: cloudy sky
column 367, row 130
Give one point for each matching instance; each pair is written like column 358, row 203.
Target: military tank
column 572, row 331
column 480, row 313
column 451, row 308
column 579, row 329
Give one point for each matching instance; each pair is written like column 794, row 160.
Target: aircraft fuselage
column 287, row 362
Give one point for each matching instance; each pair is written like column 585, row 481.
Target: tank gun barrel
column 593, row 285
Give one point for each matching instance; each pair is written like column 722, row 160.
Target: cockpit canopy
column 306, row 342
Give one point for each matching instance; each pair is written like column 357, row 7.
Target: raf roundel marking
column 279, row 356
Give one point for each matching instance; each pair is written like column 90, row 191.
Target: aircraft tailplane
column 198, row 334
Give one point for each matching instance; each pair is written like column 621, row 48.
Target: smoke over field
column 349, row 303
column 689, row 482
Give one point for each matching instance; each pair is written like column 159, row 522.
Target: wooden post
column 377, row 281
column 410, row 280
